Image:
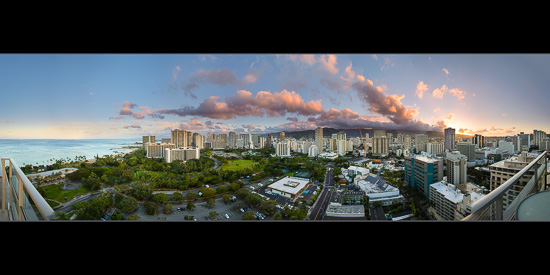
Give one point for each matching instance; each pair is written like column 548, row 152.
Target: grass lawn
column 239, row 164
column 55, row 193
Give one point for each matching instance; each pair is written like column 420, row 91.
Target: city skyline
column 78, row 96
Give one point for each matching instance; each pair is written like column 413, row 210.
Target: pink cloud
column 243, row 103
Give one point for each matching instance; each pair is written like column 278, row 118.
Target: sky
column 79, row 96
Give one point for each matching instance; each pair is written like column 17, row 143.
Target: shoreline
column 90, row 161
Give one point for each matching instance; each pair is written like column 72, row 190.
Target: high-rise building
column 341, row 147
column 232, row 140
column 183, row 154
column 525, row 141
column 407, row 143
column 333, row 145
column 147, row 139
column 503, row 170
column 380, row 146
column 435, row 148
column 198, row 140
column 179, row 138
column 420, row 143
column 313, row 151
column 319, row 139
column 479, row 141
column 282, row 148
column 282, row 136
column 467, row 149
column 380, row 133
column 422, row 171
column 456, row 167
column 450, row 139
column 538, row 136
column 155, row 150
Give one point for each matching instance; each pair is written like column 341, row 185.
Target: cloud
column 308, row 59
column 445, row 71
column 135, row 126
column 295, row 119
column 439, row 92
column 458, row 93
column 504, row 114
column 222, row 77
column 389, row 106
column 243, row 103
column 125, row 111
column 194, row 124
column 437, row 109
column 328, row 63
column 420, row 89
column 175, row 73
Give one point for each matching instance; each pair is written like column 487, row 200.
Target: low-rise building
column 290, row 187
column 377, row 189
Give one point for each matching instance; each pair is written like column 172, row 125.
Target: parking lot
column 200, row 212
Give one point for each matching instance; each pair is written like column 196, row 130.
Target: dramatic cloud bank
column 243, row 104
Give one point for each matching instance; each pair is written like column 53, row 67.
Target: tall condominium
column 450, row 138
column 467, row 149
column 179, row 138
column 538, row 136
column 282, row 136
column 147, row 139
column 380, row 146
column 456, row 167
column 478, row 140
column 421, row 143
column 319, row 139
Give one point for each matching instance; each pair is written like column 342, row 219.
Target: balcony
column 503, row 202
column 19, row 199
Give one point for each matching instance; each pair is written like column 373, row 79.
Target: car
column 242, row 210
column 227, row 216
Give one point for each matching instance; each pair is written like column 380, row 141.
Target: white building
column 184, row 154
column 290, row 187
column 377, row 189
column 313, row 151
column 435, row 148
column 456, row 167
column 450, row 202
column 282, row 148
column 445, row 198
column 341, row 147
column 506, row 146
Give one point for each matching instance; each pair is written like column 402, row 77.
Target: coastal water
column 42, row 151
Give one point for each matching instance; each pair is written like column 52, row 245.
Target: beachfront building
column 184, row 154
column 147, row 139
column 157, row 150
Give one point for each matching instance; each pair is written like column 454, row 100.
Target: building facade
column 319, row 139
column 450, row 139
column 456, row 168
column 421, row 172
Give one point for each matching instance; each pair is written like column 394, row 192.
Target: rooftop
column 449, row 191
column 290, row 185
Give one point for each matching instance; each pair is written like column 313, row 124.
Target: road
column 318, row 211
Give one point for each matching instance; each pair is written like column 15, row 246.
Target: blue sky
column 129, row 95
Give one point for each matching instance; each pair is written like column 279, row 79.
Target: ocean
column 42, row 151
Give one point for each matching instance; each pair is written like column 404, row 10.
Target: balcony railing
column 18, row 197
column 503, row 202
